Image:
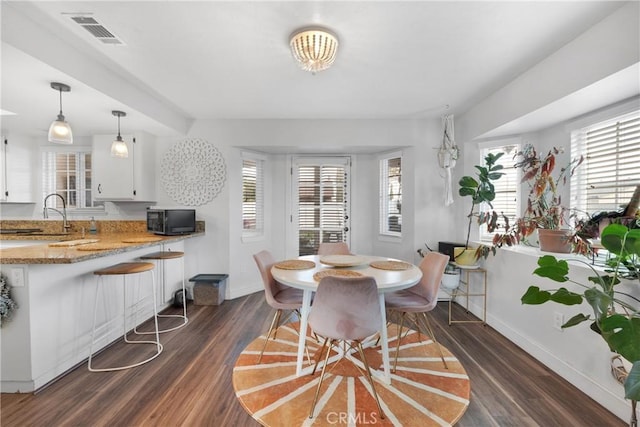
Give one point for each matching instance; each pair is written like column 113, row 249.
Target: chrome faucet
column 45, row 211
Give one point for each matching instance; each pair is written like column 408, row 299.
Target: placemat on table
column 331, row 272
column 100, row 246
column 295, row 264
column 390, row 265
column 142, row 239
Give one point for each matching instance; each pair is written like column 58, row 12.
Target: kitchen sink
column 20, row 230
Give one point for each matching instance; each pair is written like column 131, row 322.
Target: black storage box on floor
column 209, row 289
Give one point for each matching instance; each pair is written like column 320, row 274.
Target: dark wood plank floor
column 190, row 383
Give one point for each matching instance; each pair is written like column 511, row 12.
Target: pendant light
column 119, row 147
column 60, row 131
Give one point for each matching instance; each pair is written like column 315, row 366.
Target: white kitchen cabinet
column 16, row 174
column 124, row 179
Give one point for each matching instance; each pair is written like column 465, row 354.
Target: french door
column 320, row 202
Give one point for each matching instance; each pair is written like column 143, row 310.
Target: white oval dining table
column 387, row 281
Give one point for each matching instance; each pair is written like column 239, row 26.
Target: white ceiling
column 184, row 61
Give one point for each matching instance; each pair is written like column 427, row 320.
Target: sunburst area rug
column 422, row 391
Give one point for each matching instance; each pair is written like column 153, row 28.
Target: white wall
column 222, row 249
column 576, row 354
column 610, row 46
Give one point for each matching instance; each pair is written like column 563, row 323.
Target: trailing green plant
column 616, row 315
column 481, row 189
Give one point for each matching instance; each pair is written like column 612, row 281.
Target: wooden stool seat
column 125, row 268
column 163, row 255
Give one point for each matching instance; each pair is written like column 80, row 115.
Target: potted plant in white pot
column 481, row 190
column 451, row 277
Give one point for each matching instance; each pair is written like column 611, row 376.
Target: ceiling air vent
column 97, row 30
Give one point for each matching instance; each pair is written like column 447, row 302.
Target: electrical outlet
column 558, row 320
column 17, row 277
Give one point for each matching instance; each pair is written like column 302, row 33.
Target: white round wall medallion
column 193, row 172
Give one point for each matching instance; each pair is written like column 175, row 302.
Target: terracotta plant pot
column 558, row 241
column 464, row 256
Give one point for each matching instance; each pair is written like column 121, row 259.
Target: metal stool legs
column 123, row 270
column 163, row 256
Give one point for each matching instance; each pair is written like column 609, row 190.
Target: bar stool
column 124, row 269
column 163, row 256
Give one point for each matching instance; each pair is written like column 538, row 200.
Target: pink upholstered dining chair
column 338, row 248
column 419, row 299
column 345, row 309
column 280, row 297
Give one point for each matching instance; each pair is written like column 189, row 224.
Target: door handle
column 99, row 188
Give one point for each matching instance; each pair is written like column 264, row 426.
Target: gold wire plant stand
column 464, row 290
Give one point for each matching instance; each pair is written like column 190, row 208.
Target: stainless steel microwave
column 170, row 222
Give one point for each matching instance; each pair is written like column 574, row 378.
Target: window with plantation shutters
column 68, row 173
column 610, row 173
column 507, row 188
column 322, row 202
column 391, row 195
column 252, row 197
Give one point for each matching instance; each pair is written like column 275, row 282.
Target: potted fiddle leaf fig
column 616, row 314
column 481, row 190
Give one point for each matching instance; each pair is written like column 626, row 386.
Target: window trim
column 84, row 149
column 579, row 181
column 383, row 194
column 294, row 163
column 257, row 234
column 483, row 235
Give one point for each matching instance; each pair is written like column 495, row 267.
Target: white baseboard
column 614, row 403
column 247, row 289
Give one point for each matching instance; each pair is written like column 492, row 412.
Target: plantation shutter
column 610, row 173
column 252, row 197
column 506, row 188
column 322, row 203
column 68, row 173
column 391, row 195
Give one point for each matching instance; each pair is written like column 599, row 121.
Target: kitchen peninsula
column 54, row 287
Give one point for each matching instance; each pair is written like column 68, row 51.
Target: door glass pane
column 322, row 206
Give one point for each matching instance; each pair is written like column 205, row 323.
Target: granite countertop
column 81, row 248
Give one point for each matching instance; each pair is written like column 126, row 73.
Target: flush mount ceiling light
column 119, row 147
column 60, row 131
column 314, row 48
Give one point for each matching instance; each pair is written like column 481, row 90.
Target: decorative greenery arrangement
column 616, row 315
column 481, row 190
column 544, row 202
column 7, row 305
